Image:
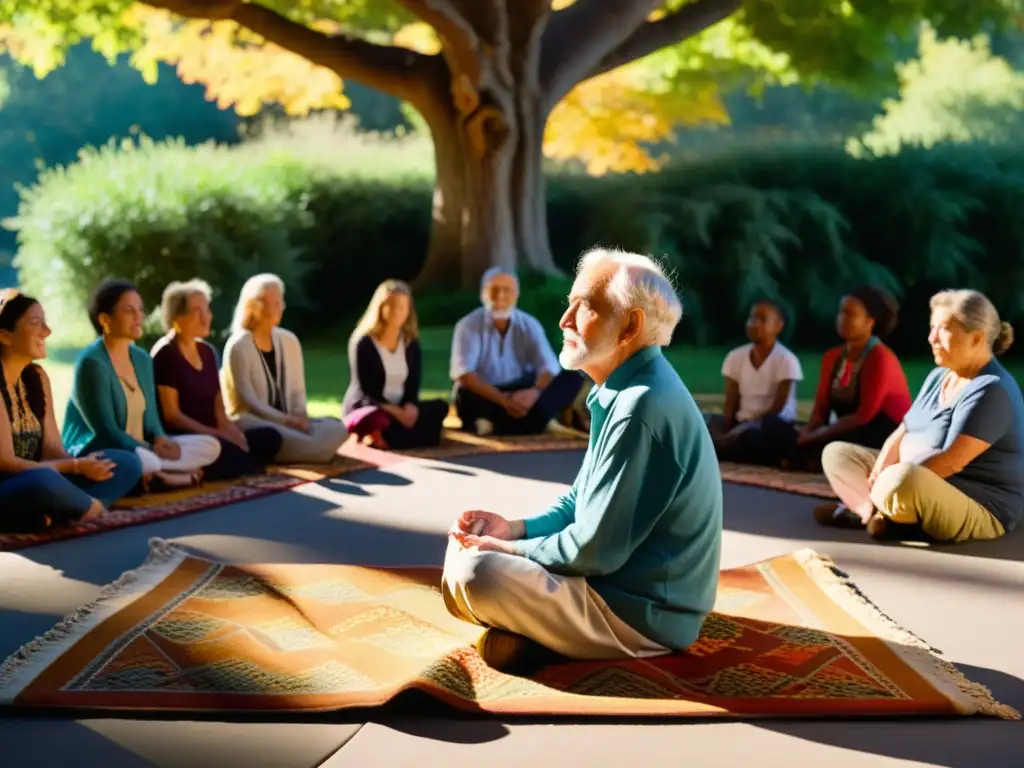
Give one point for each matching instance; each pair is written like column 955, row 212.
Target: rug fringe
column 161, row 553
column 973, row 698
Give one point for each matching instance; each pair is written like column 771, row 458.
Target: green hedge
column 797, row 225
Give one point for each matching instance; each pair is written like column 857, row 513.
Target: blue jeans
column 27, row 498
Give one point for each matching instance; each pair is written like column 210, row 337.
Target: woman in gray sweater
column 263, row 377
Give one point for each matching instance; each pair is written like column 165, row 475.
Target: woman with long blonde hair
column 382, row 405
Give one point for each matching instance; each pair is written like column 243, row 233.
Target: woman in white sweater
column 263, row 378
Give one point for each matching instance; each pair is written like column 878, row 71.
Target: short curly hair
column 881, row 305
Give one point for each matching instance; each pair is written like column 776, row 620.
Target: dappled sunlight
column 30, row 587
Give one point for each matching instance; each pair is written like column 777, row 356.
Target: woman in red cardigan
column 863, row 393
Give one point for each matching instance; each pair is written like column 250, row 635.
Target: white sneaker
column 484, row 427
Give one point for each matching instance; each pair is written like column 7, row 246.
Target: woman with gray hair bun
column 263, row 377
column 188, row 385
column 954, row 469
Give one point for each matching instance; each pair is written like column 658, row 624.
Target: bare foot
column 876, row 526
column 96, row 511
column 175, row 479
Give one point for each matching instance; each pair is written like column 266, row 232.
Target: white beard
column 575, row 357
column 502, row 314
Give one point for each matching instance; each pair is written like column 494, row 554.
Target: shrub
column 153, row 213
column 334, row 213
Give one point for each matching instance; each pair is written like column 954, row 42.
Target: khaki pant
column 562, row 613
column 907, row 493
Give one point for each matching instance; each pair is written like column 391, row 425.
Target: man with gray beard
column 507, row 378
column 626, row 563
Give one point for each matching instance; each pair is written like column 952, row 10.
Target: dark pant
column 766, row 441
column 264, row 443
column 27, row 498
column 558, row 396
column 808, row 457
column 426, row 432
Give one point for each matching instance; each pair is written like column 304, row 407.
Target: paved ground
column 966, row 601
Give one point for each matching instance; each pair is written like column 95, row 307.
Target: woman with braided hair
column 41, row 485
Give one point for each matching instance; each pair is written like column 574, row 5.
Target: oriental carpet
column 790, row 636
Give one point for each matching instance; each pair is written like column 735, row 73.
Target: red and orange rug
column 789, row 636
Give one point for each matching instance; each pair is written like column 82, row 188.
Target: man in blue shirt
column 507, row 379
column 626, row 563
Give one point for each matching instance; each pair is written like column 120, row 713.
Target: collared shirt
column 643, row 521
column 501, row 358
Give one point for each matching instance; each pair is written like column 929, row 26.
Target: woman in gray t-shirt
column 955, row 467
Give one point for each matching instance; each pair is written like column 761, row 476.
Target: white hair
column 176, row 296
column 253, row 289
column 639, row 283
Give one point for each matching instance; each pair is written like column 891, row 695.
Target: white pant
column 197, row 451
column 562, row 613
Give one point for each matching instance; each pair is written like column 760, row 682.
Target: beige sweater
column 244, row 382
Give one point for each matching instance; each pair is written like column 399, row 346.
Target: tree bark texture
column 486, row 97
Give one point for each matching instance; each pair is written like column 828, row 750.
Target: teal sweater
column 643, row 521
column 98, row 411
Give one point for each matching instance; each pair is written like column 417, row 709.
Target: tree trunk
column 489, row 195
column 529, row 192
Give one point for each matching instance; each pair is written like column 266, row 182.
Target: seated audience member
column 507, row 378
column 626, row 563
column 954, row 469
column 760, row 389
column 263, row 377
column 188, row 384
column 113, row 400
column 862, row 391
column 383, row 403
column 41, row 485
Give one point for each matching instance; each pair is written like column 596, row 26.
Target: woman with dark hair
column 863, row 392
column 113, row 400
column 40, row 483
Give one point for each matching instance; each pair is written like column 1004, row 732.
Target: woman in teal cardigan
column 113, row 401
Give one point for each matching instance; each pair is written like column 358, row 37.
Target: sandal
column 837, row 516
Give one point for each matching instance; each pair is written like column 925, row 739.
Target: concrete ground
column 966, row 601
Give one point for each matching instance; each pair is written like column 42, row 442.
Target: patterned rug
column 161, row 506
column 803, row 483
column 790, row 636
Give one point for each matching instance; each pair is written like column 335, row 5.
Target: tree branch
column 655, row 35
column 459, row 40
column 398, row 71
column 579, row 36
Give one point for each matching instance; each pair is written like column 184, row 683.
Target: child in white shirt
column 760, row 393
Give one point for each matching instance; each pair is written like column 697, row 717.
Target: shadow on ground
column 346, row 521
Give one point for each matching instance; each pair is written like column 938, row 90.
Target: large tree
column 499, row 69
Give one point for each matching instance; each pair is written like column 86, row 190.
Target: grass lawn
column 327, row 372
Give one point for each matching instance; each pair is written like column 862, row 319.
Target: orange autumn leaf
column 608, row 122
column 239, row 69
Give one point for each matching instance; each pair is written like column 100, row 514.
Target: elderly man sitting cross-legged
column 626, row 563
